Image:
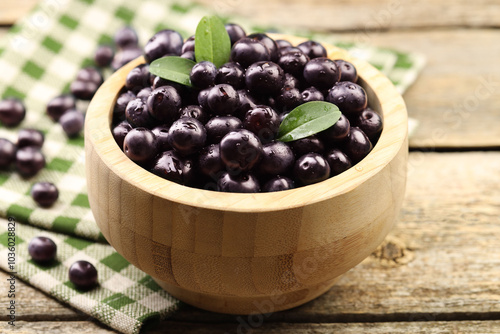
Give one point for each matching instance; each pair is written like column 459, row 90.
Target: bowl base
column 248, row 305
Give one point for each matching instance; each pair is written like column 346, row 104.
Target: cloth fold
column 39, row 58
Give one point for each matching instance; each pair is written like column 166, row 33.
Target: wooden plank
column 363, row 14
column 12, row 10
column 452, row 327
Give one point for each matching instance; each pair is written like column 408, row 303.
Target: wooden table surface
column 439, row 269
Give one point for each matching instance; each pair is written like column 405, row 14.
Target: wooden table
column 439, row 270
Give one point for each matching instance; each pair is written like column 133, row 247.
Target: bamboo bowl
column 247, row 253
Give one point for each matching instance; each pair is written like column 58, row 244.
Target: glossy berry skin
column 240, row 150
column 59, row 105
column 223, row 99
column 30, row 137
column 42, row 249
column 277, row 158
column 371, row 123
column 281, row 43
column 126, row 37
column 140, row 145
column 289, row 49
column 124, row 56
column 311, row 168
column 137, row 114
column 278, row 183
column 72, row 122
column 293, row 63
column 121, row 104
column 239, row 183
column 203, row 98
column 29, row 161
column 291, row 81
column 12, row 112
column 194, row 111
column 311, row 144
column 218, row 127
column 247, row 102
column 349, row 97
column 83, row 274
column 138, row 78
column 235, row 32
column 336, row 132
column 232, row 74
column 321, row 73
column 161, row 135
column 347, row 70
column 188, row 45
column 262, row 121
column 288, row 99
column 7, row 153
column 357, row 145
column 120, row 131
column 312, row 94
column 209, row 161
column 187, row 136
column 203, row 74
column 164, row 103
column 164, row 42
column 338, row 161
column 144, row 93
column 247, row 51
column 173, row 167
column 312, row 49
column 269, row 43
column 86, row 83
column 264, row 77
column 189, row 55
column 45, row 194
column 104, row 55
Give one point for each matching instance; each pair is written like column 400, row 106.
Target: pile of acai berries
column 221, row 131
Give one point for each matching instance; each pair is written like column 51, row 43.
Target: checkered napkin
column 38, row 60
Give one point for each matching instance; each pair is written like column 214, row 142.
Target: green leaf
column 308, row 119
column 171, row 68
column 211, row 42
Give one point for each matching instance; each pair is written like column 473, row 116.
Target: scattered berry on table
column 12, row 112
column 42, row 249
column 29, row 161
column 83, row 274
column 45, row 194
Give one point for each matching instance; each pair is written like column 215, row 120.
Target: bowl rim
column 98, row 137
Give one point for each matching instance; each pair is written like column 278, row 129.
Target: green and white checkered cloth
column 39, row 58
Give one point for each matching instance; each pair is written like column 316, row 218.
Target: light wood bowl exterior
column 247, row 253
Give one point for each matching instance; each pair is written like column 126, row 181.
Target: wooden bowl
column 247, row 253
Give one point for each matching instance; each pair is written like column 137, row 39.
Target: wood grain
column 12, row 10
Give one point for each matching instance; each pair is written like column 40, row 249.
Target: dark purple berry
column 247, row 102
column 29, row 161
column 83, row 274
column 240, row 183
column 138, row 78
column 194, row 111
column 42, row 249
column 144, row 93
column 170, row 166
column 189, row 55
column 164, row 42
column 277, row 158
column 104, row 55
column 321, row 73
column 265, row 78
column 293, row 63
column 247, row 51
column 59, row 105
column 281, row 43
column 347, row 70
column 203, row 98
column 289, row 49
column 278, row 183
column 120, row 131
column 218, row 127
column 126, row 37
column 262, row 121
column 223, row 99
column 125, row 56
column 338, row 161
column 7, row 153
column 269, row 43
column 311, row 168
column 164, row 104
column 45, row 194
column 30, row 137
column 188, row 45
column 357, row 145
column 161, row 135
column 240, row 150
column 187, row 136
column 87, row 81
column 288, row 99
column 232, row 74
column 140, row 145
column 337, row 131
column 371, row 123
column 312, row 94
column 235, row 32
column 349, row 97
column 72, row 122
column 312, row 49
column 121, row 104
column 209, row 160
column 311, row 144
column 203, row 74
column 137, row 114
column 291, row 81
column 12, row 112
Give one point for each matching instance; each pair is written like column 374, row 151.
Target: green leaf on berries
column 172, row 68
column 308, row 119
column 211, row 42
